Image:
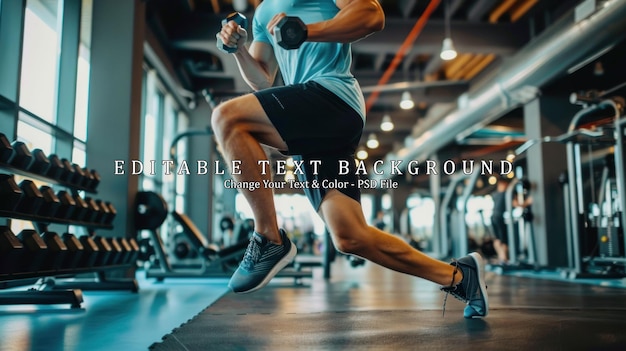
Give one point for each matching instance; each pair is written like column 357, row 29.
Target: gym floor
column 365, row 307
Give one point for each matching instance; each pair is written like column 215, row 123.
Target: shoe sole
column 480, row 269
column 272, row 273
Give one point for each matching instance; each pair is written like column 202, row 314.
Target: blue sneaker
column 261, row 262
column 472, row 290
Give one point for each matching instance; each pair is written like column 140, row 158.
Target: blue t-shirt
column 326, row 63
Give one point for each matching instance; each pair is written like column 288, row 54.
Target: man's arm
column 355, row 20
column 257, row 63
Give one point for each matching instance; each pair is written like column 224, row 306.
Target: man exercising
column 318, row 115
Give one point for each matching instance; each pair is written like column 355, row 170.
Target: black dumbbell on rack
column 22, row 157
column 40, row 163
column 57, row 251
column 51, row 202
column 10, row 192
column 35, row 252
column 6, row 150
column 31, row 199
column 117, row 253
column 74, row 254
column 104, row 251
column 103, row 212
column 11, row 251
column 90, row 252
column 81, row 210
column 67, row 205
column 56, row 169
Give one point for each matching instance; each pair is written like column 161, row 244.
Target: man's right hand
column 233, row 35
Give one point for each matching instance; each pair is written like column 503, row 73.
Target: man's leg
column 351, row 234
column 241, row 126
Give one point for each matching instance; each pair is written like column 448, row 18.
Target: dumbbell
column 67, row 205
column 68, row 171
column 88, row 180
column 31, row 199
column 110, row 216
column 90, row 252
column 117, row 252
column 57, row 250
column 95, row 180
column 11, row 251
column 40, row 163
column 51, row 202
column 74, row 254
column 126, row 251
column 10, row 193
column 35, row 251
column 79, row 175
column 93, row 210
column 104, row 251
column 241, row 20
column 22, row 157
column 6, row 150
column 104, row 212
column 56, row 169
column 81, row 210
column 134, row 249
column 290, row 32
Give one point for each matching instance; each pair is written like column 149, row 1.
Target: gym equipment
column 57, row 251
column 590, row 218
column 11, row 251
column 81, row 209
column 22, row 157
column 39, row 163
column 35, row 251
column 31, row 198
column 209, row 260
column 92, row 210
column 104, row 251
column 241, row 20
column 94, row 180
column 290, row 32
column 74, row 253
column 10, row 193
column 67, row 205
column 6, row 150
column 116, row 251
column 88, row 179
column 56, row 169
column 109, row 214
column 50, row 204
column 68, row 171
column 90, row 251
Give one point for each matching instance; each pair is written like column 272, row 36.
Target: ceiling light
column 447, row 50
column 406, row 103
column 387, row 124
column 361, row 154
column 372, row 141
column 240, row 5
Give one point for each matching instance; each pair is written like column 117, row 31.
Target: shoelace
column 252, row 254
column 452, row 286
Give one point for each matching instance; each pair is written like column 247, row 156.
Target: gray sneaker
column 472, row 290
column 261, row 262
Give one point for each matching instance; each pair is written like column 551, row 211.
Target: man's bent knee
column 350, row 242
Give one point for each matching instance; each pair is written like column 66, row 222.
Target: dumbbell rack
column 97, row 254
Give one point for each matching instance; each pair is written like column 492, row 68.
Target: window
column 40, row 59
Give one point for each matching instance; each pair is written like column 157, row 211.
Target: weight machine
column 594, row 205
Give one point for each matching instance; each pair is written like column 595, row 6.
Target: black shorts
column 317, row 126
